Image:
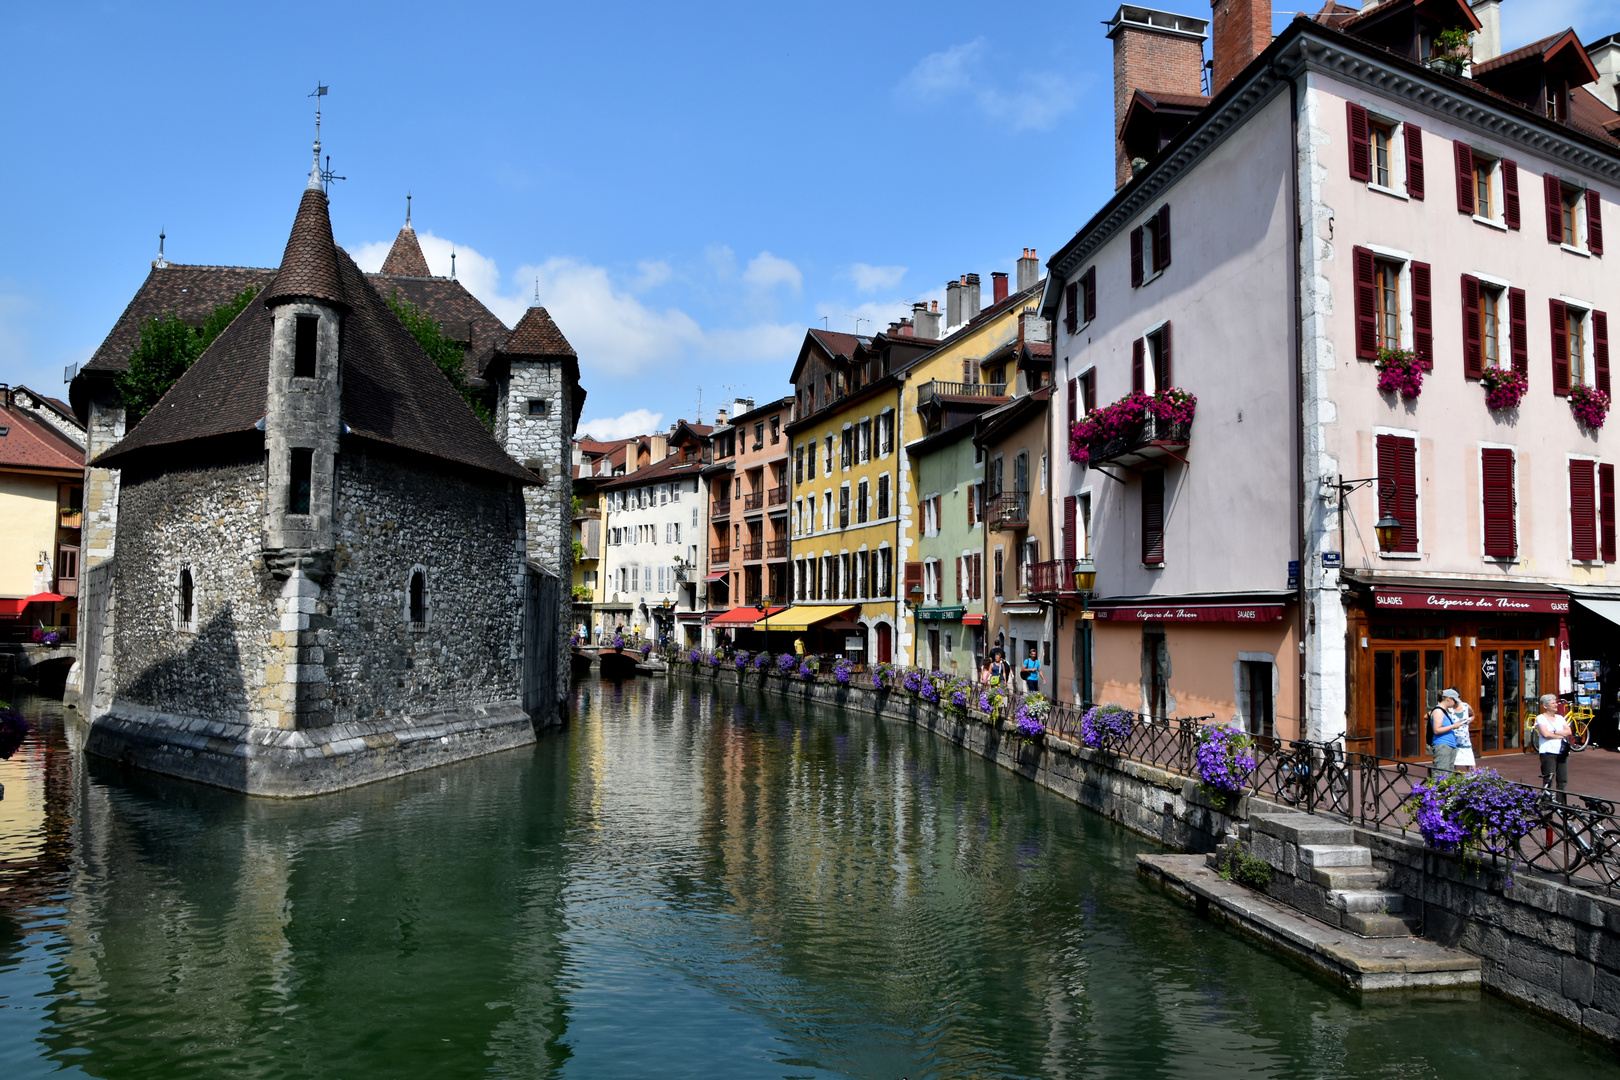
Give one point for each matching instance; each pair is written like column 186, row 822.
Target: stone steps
column 1325, row 855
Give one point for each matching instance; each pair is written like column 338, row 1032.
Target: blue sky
column 692, row 185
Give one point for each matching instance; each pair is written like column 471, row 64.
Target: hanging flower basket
column 1400, row 372
column 785, row 664
column 1224, row 760
column 1107, row 727
column 762, row 660
column 1472, row 813
column 842, row 670
column 879, row 671
column 1132, row 420
column 1504, row 387
column 1589, row 405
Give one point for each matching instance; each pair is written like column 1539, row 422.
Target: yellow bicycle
column 1580, row 719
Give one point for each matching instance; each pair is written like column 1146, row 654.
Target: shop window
column 1258, row 706
column 1406, row 685
column 1155, row 672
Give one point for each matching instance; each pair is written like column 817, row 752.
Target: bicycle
column 1580, row 719
column 1298, row 775
column 1574, row 837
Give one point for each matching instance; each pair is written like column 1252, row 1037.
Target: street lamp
column 1388, row 527
column 1085, row 577
column 1085, row 581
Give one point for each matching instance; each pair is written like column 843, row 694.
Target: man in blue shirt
column 1032, row 672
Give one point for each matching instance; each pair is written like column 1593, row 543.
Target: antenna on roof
column 824, row 324
column 161, row 261
column 699, row 419
column 537, row 290
column 858, row 321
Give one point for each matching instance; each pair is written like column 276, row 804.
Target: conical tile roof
column 309, row 266
column 536, row 335
column 406, row 257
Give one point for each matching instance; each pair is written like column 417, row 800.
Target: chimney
column 953, row 303
column 1153, row 50
column 1242, row 31
column 970, row 298
column 660, row 449
column 926, row 321
column 741, row 405
column 720, row 417
column 1029, row 270
column 1605, row 56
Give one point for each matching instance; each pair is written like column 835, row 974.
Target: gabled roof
column 1562, row 49
column 190, row 292
column 30, row 443
column 1000, row 422
column 460, row 314
column 406, row 257
column 1442, row 11
column 309, row 267
column 832, row 343
column 653, row 473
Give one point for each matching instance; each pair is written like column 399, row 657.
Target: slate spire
column 309, row 266
column 405, row 257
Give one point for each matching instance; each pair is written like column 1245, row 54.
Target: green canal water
column 685, row 883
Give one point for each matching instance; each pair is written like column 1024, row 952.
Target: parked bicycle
column 1308, row 767
column 1570, row 839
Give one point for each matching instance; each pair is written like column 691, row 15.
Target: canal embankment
column 1542, row 943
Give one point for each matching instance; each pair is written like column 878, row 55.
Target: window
column 418, row 600
column 305, row 328
column 1088, row 392
column 1574, row 216
column 930, row 581
column 810, row 461
column 1397, row 487
column 885, row 433
column 996, row 574
column 538, row 406
column 798, row 464
column 1153, row 518
column 1387, row 281
column 776, row 430
column 866, row 440
column 829, row 452
column 67, row 563
column 300, row 467
column 1501, row 535
column 185, row 608
column 1088, row 295
column 1570, row 211
column 883, row 497
column 1156, row 672
column 1152, row 359
column 975, row 503
column 1257, row 700
column 846, row 447
column 1150, row 248
column 843, row 507
column 1580, row 347
column 1582, row 510
column 861, row 500
column 1485, row 202
column 1490, row 324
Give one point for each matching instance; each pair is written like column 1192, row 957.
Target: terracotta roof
column 839, row 344
column 459, row 313
column 392, row 392
column 190, row 292
column 30, row 443
column 1545, row 49
column 1592, row 114
column 536, row 335
column 652, row 474
column 309, row 267
column 406, row 257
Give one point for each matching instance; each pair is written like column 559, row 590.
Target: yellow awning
column 803, row 617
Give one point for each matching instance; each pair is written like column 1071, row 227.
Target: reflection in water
column 686, row 883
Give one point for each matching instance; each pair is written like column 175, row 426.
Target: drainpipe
column 1299, row 399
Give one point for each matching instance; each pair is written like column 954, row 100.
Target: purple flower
column 694, row 656
column 806, row 671
column 785, row 663
column 1224, row 758
column 929, row 690
column 741, row 660
column 842, row 670
column 714, row 660
column 1107, row 727
column 761, row 660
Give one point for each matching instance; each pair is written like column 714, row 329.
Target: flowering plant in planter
column 1400, row 372
column 1225, row 758
column 913, row 682
column 646, row 648
column 991, row 701
column 807, row 668
column 958, row 696
column 714, row 660
column 1107, row 727
column 1119, row 420
column 1504, row 387
column 762, row 660
column 1473, row 812
column 741, row 660
column 1029, row 719
column 693, row 657
column 46, row 635
column 786, row 663
column 618, row 641
column 1590, row 405
column 13, row 728
column 842, row 670
column 930, row 687
column 1454, row 44
column 879, row 673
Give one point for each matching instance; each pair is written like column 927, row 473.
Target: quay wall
column 1544, row 944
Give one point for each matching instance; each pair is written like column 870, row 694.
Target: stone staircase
column 1318, row 868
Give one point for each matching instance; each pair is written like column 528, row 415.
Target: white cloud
column 961, row 72
column 653, row 273
column 766, row 271
column 874, row 315
column 634, row 422
column 722, row 260
column 872, row 278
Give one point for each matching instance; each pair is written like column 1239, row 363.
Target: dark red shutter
column 1600, row 348
column 1519, row 328
column 1465, row 177
column 1500, row 541
column 1136, row 258
column 1074, row 394
column 1414, row 160
column 1594, row 222
column 978, row 575
column 1162, row 255
column 1089, row 283
column 1473, row 346
column 1397, row 465
column 959, row 593
column 1423, row 314
column 1071, row 304
column 1164, row 363
column 1555, row 209
column 1606, row 508
column 1582, row 512
column 1153, row 517
column 1071, row 515
column 1366, row 306
column 1137, row 379
column 1510, row 192
column 1560, row 347
column 1360, row 149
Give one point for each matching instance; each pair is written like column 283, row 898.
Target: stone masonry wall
column 92, row 686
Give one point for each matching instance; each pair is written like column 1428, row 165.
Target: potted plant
column 842, row 670
column 1452, row 51
column 1473, row 812
column 1029, row 719
column 1504, row 387
column 1400, row 372
column 1224, row 760
column 618, row 641
column 1590, row 406
column 1107, row 727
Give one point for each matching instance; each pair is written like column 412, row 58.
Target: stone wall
column 92, row 691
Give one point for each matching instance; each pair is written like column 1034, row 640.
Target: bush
column 1234, row 865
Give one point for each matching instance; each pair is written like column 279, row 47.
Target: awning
column 739, row 616
column 44, row 598
column 719, row 575
column 804, row 616
column 1020, row 609
column 12, row 606
column 973, row 620
column 1497, row 603
column 689, row 616
column 1604, row 609
column 1185, row 613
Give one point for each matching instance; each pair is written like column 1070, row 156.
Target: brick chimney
column 1029, row 270
column 1153, row 50
column 998, row 286
column 1242, row 30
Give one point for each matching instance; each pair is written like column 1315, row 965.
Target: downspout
column 1299, row 402
column 1051, row 543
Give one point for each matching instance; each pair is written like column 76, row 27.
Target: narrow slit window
column 418, row 598
column 300, row 468
column 305, row 327
column 186, row 595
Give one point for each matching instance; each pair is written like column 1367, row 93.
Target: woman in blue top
column 1444, row 722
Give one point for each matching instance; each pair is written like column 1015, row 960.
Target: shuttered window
column 1464, row 156
column 1600, row 349
column 1071, row 307
column 1422, row 314
column 1510, row 193
column 1412, row 136
column 1088, row 294
column 1582, row 511
column 1554, row 192
column 1606, row 510
column 976, row 576
column 1070, row 517
column 1594, row 222
column 1360, row 148
column 1088, row 392
column 1161, row 247
column 1473, row 329
column 1501, row 540
column 1153, row 517
column 1397, row 486
column 1560, row 347
column 1138, row 377
column 1366, row 304
column 1518, row 329
column 1136, row 257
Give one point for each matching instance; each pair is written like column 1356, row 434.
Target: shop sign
column 1185, row 613
column 1495, row 603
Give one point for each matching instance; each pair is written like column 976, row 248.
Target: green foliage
column 579, row 506
column 167, row 347
column 445, row 352
column 1234, row 865
column 579, row 551
column 1455, row 42
column 582, row 592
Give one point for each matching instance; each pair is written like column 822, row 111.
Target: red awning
column 1185, row 613
column 12, row 606
column 739, row 616
column 44, row 598
column 973, row 620
column 718, row 576
column 1467, row 600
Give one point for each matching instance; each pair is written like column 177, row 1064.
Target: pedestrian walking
column 1443, row 722
column 1554, row 732
column 1032, row 672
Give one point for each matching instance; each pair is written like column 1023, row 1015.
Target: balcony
column 934, row 389
column 70, row 518
column 719, row 556
column 778, row 496
column 1055, row 578
column 685, row 573
column 776, row 549
column 720, row 508
column 1129, row 434
column 753, row 552
column 754, row 500
column 1008, row 510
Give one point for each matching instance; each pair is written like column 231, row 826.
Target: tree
column 445, row 352
column 167, row 347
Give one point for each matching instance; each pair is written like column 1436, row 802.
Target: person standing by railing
column 1444, row 722
column 1553, row 731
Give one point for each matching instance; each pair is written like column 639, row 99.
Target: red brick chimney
column 998, row 286
column 1153, row 50
column 1242, row 30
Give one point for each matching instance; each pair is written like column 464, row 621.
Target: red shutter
column 1606, row 508
column 1519, row 328
column 959, row 593
column 1473, row 346
column 1500, row 541
column 1413, row 137
column 1422, row 314
column 1089, row 283
column 1071, row 302
column 1560, row 347
column 1594, row 222
column 1555, row 209
column 978, row 575
column 1074, row 395
column 914, row 577
column 1137, row 379
column 1164, row 362
column 1360, row 148
column 1162, row 255
column 1071, row 515
column 1600, row 348
column 1397, row 463
column 1136, row 257
column 1510, row 193
column 1582, row 512
column 1465, row 177
column 1366, row 306
column 1153, row 517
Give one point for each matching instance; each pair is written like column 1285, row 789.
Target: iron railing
column 966, row 389
column 719, row 556
column 750, row 552
column 778, row 495
column 1008, row 508
column 754, row 500
column 720, row 508
column 1151, row 430
column 776, row 549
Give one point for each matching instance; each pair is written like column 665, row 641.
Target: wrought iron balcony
column 720, row 556
column 1054, row 578
column 753, row 552
column 720, row 508
column 778, row 496
column 1008, row 510
column 1151, row 440
column 685, row 572
column 754, row 500
column 935, row 388
column 776, row 549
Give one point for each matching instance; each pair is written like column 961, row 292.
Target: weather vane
column 324, row 176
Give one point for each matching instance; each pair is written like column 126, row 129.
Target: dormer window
column 304, row 334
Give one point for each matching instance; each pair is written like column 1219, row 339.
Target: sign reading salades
column 1185, row 613
column 1495, row 603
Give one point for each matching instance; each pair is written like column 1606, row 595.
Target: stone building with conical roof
column 324, row 571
